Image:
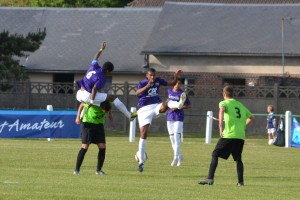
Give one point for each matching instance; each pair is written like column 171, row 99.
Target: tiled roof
column 223, row 29
column 73, row 35
column 160, row 3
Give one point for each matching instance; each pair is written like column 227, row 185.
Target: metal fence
column 37, row 95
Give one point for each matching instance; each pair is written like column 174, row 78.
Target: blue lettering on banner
column 38, row 124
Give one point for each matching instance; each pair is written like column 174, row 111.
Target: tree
column 80, row 3
column 13, row 47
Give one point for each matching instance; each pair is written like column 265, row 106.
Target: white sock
column 177, row 145
column 142, row 147
column 172, row 139
column 122, row 107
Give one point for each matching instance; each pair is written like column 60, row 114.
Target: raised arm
column 176, row 77
column 102, row 47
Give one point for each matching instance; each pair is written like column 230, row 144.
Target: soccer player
column 94, row 80
column 92, row 131
column 237, row 117
column 175, row 117
column 271, row 124
column 150, row 105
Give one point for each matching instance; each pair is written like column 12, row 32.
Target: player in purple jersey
column 150, row 105
column 175, row 117
column 94, row 80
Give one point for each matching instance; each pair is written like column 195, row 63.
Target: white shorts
column 271, row 130
column 174, row 127
column 173, row 104
column 84, row 96
column 146, row 113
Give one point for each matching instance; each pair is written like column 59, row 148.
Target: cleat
column 174, row 162
column 206, row 181
column 76, row 172
column 180, row 158
column 181, row 100
column 141, row 167
column 133, row 115
column 240, row 184
column 100, row 173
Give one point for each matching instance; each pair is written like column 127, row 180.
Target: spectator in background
column 271, row 124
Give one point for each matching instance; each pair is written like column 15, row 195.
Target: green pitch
column 38, row 169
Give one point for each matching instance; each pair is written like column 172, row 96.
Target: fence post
column 132, row 128
column 288, row 128
column 209, row 120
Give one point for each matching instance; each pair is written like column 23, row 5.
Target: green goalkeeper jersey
column 94, row 115
column 235, row 116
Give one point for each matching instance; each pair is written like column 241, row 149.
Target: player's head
column 177, row 84
column 150, row 73
column 108, row 67
column 106, row 106
column 228, row 91
column 270, row 108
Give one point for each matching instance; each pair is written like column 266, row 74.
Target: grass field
column 38, row 169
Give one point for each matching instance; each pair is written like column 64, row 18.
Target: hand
column 77, row 121
column 178, row 73
column 103, row 45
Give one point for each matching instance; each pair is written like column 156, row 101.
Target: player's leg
column 101, row 158
column 142, row 146
column 178, row 128
column 170, row 125
column 121, row 107
column 237, row 156
column 80, row 157
column 85, row 141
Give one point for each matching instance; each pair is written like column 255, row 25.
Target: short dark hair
column 108, row 66
column 151, row 70
column 228, row 90
column 105, row 105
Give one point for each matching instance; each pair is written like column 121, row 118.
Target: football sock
column 80, row 158
column 172, row 139
column 240, row 171
column 122, row 107
column 101, row 158
column 177, row 145
column 142, row 147
column 213, row 167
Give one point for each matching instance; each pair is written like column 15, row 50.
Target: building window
column 188, row 85
column 63, row 78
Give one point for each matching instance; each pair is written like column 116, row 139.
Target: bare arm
column 176, row 77
column 249, row 120
column 221, row 118
column 102, row 47
column 146, row 87
column 78, row 120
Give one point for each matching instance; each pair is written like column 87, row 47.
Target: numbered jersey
column 150, row 96
column 93, row 77
column 235, row 116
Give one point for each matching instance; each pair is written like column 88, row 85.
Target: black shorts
column 92, row 133
column 226, row 147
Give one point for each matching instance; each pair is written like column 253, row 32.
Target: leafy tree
column 13, row 47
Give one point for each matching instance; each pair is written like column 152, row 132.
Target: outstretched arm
column 176, row 77
column 102, row 47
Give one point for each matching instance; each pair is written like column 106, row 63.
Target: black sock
column 240, row 171
column 213, row 167
column 101, row 158
column 80, row 158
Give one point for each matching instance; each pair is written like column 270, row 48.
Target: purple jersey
column 94, row 76
column 176, row 115
column 150, row 96
column 271, row 118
